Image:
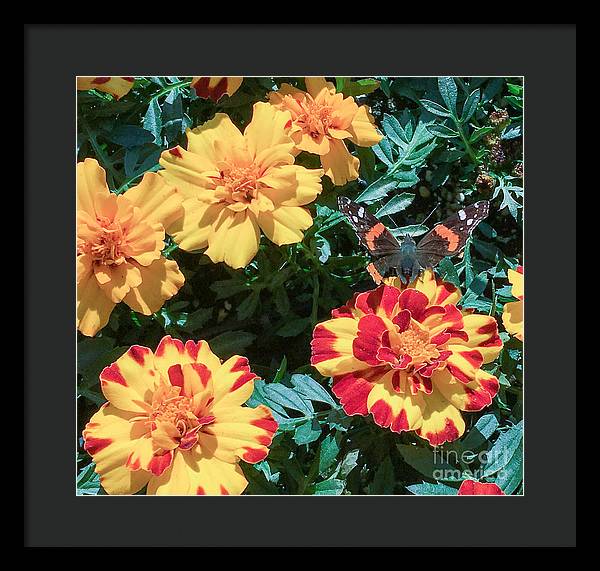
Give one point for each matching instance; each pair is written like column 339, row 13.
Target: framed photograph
column 302, row 285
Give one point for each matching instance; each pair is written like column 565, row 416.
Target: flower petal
column 314, row 85
column 292, row 185
column 284, row 225
column 173, row 352
column 472, row 396
column 393, row 409
column 363, row 129
column 238, row 432
column 234, row 239
column 93, row 196
column 161, row 280
column 512, row 318
column 116, row 86
column 266, row 131
column 332, row 352
column 483, row 335
column 110, row 438
column 339, row 165
column 352, row 389
column 93, row 305
column 472, row 488
column 442, row 421
column 192, row 230
column 131, row 380
column 116, row 281
column 233, row 382
column 381, row 301
column 158, row 202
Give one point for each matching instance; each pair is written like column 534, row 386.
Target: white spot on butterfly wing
column 462, row 214
column 361, row 211
column 469, row 222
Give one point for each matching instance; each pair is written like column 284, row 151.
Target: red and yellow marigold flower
column 119, row 243
column 215, row 87
column 409, row 357
column 512, row 316
column 237, row 184
column 116, row 86
column 473, row 488
column 321, row 120
column 174, row 421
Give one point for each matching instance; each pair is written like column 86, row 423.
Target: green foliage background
column 448, row 142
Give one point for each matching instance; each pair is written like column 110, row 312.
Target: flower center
column 316, row 119
column 415, row 343
column 176, row 410
column 107, row 247
column 241, row 184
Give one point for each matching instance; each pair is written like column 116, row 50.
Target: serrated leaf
column 426, row 489
column 309, row 388
column 503, row 449
column 288, row 398
column 332, row 487
column 443, row 131
column 394, row 130
column 153, row 121
column 435, row 108
column 307, row 432
column 396, row 204
column 449, row 92
column 328, row 453
column 470, row 105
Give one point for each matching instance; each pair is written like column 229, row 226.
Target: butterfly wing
column 449, row 237
column 372, row 233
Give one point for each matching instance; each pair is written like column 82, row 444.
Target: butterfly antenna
column 429, row 215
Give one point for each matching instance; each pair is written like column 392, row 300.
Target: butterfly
column 406, row 258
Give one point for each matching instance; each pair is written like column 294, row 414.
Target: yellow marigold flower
column 410, row 357
column 238, row 184
column 174, row 421
column 116, row 86
column 512, row 316
column 119, row 243
column 321, row 120
column 215, row 87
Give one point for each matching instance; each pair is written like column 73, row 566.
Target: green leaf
column 288, row 398
column 130, row 136
column 397, row 203
column 307, row 432
column 153, row 121
column 448, row 91
column 426, row 489
column 394, row 130
column 384, row 480
column 470, row 105
column 448, row 272
column 410, row 230
column 293, row 327
column 505, row 447
column 328, row 453
column 511, row 476
column 332, row 487
column 480, row 433
column 440, row 130
column 231, row 342
column 310, row 389
column 435, row 108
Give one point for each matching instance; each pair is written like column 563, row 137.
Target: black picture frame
column 55, row 54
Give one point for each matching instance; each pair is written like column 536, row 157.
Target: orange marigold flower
column 410, row 357
column 321, row 120
column 238, row 184
column 119, row 243
column 512, row 316
column 473, row 488
column 215, row 87
column 116, row 86
column 174, row 421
